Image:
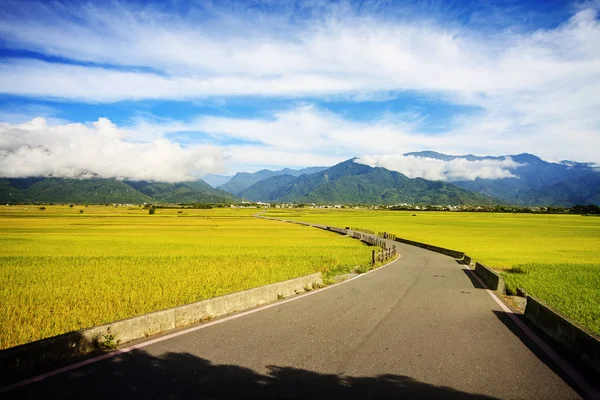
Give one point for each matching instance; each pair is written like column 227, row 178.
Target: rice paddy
column 553, row 257
column 63, row 268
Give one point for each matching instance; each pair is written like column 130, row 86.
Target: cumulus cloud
column 458, row 169
column 100, row 149
column 309, row 135
column 332, row 53
column 534, row 91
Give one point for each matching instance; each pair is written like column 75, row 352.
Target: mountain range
column 99, row 191
column 532, row 181
column 352, row 183
column 243, row 180
column 537, row 182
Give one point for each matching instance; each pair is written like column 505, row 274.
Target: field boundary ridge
column 46, row 352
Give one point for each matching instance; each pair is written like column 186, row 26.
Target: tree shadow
column 23, row 361
column 139, row 374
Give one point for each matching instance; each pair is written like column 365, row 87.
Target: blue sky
column 194, row 87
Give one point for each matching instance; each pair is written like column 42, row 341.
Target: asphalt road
column 417, row 328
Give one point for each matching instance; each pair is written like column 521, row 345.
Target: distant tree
column 593, row 209
column 80, row 211
column 583, row 209
column 152, row 210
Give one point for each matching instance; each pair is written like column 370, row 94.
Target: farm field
column 553, row 257
column 62, row 270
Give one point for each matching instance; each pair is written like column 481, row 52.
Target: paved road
column 417, row 328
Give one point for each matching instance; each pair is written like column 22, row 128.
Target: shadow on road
column 182, row 375
column 470, row 274
column 587, row 373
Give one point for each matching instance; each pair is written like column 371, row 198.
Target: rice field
column 63, row 269
column 553, row 257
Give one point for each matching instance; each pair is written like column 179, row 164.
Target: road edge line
column 559, row 361
column 150, row 342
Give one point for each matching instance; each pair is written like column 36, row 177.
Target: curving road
column 417, row 328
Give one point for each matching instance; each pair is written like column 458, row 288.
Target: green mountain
column 243, row 180
column 352, row 183
column 59, row 190
column 579, row 190
column 182, row 192
column 267, row 189
column 101, row 191
column 537, row 182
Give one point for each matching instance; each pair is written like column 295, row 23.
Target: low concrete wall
column 301, row 223
column 338, row 230
column 557, row 326
column 490, row 278
column 452, row 253
column 584, row 345
column 73, row 344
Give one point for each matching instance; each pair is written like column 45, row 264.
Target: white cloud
column 100, row 149
column 295, row 134
column 95, row 84
column 536, row 91
column 457, row 169
column 308, row 135
column 335, row 53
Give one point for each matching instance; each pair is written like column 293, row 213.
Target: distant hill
column 182, row 192
column 98, row 191
column 580, row 190
column 268, row 189
column 539, row 183
column 353, row 183
column 243, row 180
column 215, row 180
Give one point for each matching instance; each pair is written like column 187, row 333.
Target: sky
column 174, row 90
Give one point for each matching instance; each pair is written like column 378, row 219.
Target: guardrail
column 383, row 254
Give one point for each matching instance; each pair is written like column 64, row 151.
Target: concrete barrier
column 338, row 230
column 467, row 260
column 452, row 253
column 585, row 345
column 73, row 344
column 490, row 278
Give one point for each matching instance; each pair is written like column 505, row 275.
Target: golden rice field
column 553, row 257
column 62, row 270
